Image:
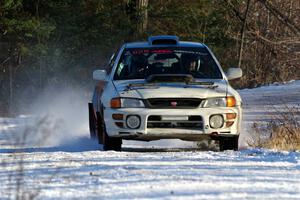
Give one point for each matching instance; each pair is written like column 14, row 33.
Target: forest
column 58, row 43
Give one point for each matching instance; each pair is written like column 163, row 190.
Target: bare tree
column 244, row 21
column 138, row 12
column 143, row 15
column 268, row 39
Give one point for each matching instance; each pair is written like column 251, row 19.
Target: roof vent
column 163, row 40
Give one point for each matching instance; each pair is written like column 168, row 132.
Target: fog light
column 230, row 123
column 117, row 116
column 133, row 121
column 120, row 124
column 216, row 121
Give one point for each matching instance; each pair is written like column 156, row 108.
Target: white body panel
column 145, row 133
column 118, row 88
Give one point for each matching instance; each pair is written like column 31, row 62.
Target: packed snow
column 53, row 158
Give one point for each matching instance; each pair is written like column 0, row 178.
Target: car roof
column 179, row 44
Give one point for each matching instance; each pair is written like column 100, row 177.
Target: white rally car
column 165, row 89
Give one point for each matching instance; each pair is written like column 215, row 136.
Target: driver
column 138, row 66
column 192, row 67
column 189, row 62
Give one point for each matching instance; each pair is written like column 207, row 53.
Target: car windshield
column 142, row 62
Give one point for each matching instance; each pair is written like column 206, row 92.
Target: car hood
column 143, row 90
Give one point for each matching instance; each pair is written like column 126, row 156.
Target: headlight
column 215, row 102
column 132, row 103
column 126, row 103
column 220, row 102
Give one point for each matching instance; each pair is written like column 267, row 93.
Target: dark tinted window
column 141, row 63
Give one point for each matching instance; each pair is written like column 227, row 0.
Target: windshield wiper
column 208, row 84
column 169, row 78
column 135, row 86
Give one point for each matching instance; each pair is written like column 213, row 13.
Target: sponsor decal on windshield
column 161, row 51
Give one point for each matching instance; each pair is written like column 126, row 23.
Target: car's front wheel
column 92, row 122
column 229, row 143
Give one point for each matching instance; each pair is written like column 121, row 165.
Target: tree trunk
column 11, row 77
column 243, row 34
column 137, row 10
column 143, row 16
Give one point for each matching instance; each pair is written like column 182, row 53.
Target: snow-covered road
column 76, row 169
column 247, row 174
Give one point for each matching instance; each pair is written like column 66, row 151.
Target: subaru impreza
column 165, row 88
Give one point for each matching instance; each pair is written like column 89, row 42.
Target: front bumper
column 144, row 132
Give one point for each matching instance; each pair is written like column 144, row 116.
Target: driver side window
column 123, row 68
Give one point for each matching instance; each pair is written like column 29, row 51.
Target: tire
column 229, row 143
column 110, row 143
column 107, row 142
column 92, row 122
column 99, row 129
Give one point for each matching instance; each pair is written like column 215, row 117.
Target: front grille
column 173, row 103
column 194, row 122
